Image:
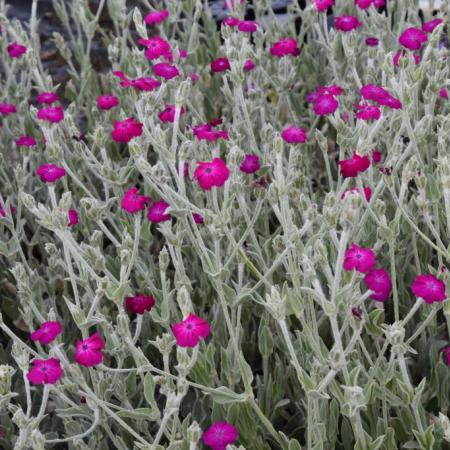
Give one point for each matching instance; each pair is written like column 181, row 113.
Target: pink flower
column 347, row 23
column 363, row 4
column 165, row 71
column 429, row 26
column 379, row 282
column 372, row 41
column 220, row 65
column 190, row 330
column 156, row 47
column 3, row 212
column 47, row 98
column 325, row 104
column 26, row 141
column 250, row 164
column 429, row 288
column 366, row 190
column 127, row 129
column 294, row 135
column 247, row 26
column 142, row 83
column 231, row 22
column 376, row 156
column 133, row 202
column 379, row 95
column 379, row 3
column 219, row 435
column 47, row 332
column 6, row 109
column 323, row 5
column 198, row 219
column 249, row 65
column 214, row 173
column 50, row 173
column 51, row 114
column 205, row 131
column 446, row 352
column 285, row 47
column 412, row 38
column 333, row 90
column 16, row 50
column 45, row 371
column 443, row 93
column 402, row 54
column 139, row 303
column 168, row 115
column 89, row 351
column 367, row 112
column 73, row 217
column 156, row 17
column 359, row 258
column 157, row 212
column 351, row 167
column 107, row 102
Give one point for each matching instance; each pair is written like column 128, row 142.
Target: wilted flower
column 347, row 23
column 157, row 212
column 220, row 65
column 50, row 173
column 26, row 141
column 156, row 17
column 285, row 47
column 359, row 258
column 250, row 164
column 351, row 167
column 88, row 352
column 198, row 219
column 372, row 41
column 139, row 303
column 45, row 371
column 355, row 190
column 127, row 129
column 294, row 135
column 214, row 173
column 188, row 332
column 323, row 5
column 73, row 217
column 47, row 98
column 107, row 102
column 2, row 209
column 51, row 114
column 165, row 71
column 412, row 38
column 47, row 332
column 429, row 288
column 446, row 352
column 6, row 109
column 379, row 282
column 429, row 26
column 219, row 435
column 168, row 115
column 133, row 202
column 402, row 54
column 16, row 50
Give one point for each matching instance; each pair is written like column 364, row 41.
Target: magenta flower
column 205, row 132
column 156, row 47
column 333, row 90
column 412, row 38
column 139, row 303
column 380, row 95
column 47, row 98
column 429, row 26
column 402, row 54
column 73, row 217
column 231, row 22
column 379, row 282
column 376, row 156
column 350, row 168
column 214, row 173
column 3, row 212
column 367, row 112
column 247, row 26
column 294, row 135
column 429, row 288
column 133, row 202
column 372, row 41
column 220, row 65
column 190, row 330
column 142, row 84
column 366, row 190
column 16, row 50
column 347, row 23
column 198, row 219
column 107, row 102
column 379, row 3
column 26, row 141
column 127, row 129
column 323, row 5
column 45, row 371
column 285, row 47
column 249, row 65
column 47, row 332
column 446, row 352
column 157, row 212
column 165, row 71
column 219, row 435
column 325, row 104
column 363, row 4
column 250, row 164
column 359, row 258
column 168, row 115
column 443, row 93
column 50, row 173
column 89, row 351
column 156, row 17
column 6, row 109
column 51, row 114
